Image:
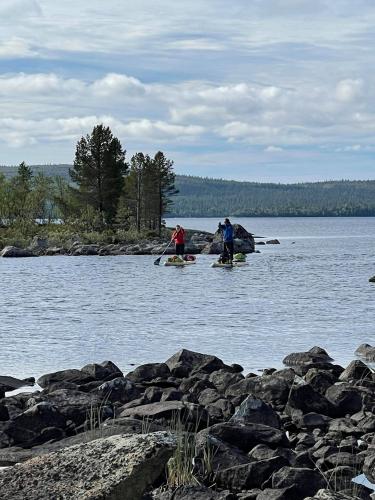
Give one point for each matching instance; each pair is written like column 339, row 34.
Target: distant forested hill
column 203, row 197
column 61, row 170
column 213, row 197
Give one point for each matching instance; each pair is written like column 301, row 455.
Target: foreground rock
column 110, row 468
column 292, row 434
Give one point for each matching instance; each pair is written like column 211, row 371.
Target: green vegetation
column 202, row 197
column 103, row 201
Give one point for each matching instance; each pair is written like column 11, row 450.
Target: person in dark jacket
column 227, row 231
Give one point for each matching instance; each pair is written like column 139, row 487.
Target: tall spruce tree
column 164, row 179
column 148, row 192
column 99, row 170
column 20, row 188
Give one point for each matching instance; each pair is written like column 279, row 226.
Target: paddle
column 157, row 261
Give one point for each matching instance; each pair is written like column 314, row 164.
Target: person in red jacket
column 178, row 236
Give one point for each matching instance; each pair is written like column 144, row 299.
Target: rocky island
column 192, row 427
column 196, row 242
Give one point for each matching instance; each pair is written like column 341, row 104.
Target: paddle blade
column 157, row 261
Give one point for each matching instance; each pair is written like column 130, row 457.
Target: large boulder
column 366, row 351
column 85, row 250
column 356, row 370
column 256, row 411
column 369, row 466
column 314, row 355
column 148, row 372
column 72, row 375
column 75, row 405
column 29, row 425
column 117, row 467
column 223, row 379
column 304, row 481
column 10, row 383
column 273, row 388
column 345, row 398
column 303, row 399
column 11, row 251
column 188, row 413
column 243, row 241
column 119, row 389
column 106, row 370
column 246, row 436
column 251, row 475
column 185, row 363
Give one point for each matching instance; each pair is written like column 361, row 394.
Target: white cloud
column 348, row 90
column 273, row 149
column 115, row 84
column 15, row 48
column 18, row 132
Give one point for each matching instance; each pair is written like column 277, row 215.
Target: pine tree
column 21, row 187
column 99, row 170
column 164, row 186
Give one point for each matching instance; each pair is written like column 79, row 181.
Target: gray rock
column 320, row 380
column 189, row 493
column 346, row 399
column 330, row 495
column 11, row 251
column 120, row 390
column 273, row 242
column 305, row 481
column 50, row 251
column 254, row 410
column 369, row 466
column 366, row 351
column 116, row 467
column 106, row 370
column 279, row 494
column 148, row 372
column 344, row 426
column 85, row 250
column 303, row 399
column 356, row 370
column 75, row 405
column 10, row 383
column 272, row 389
column 189, row 413
column 72, row 375
column 223, row 379
column 246, row 436
column 314, row 355
column 184, row 363
column 28, row 426
column 251, row 475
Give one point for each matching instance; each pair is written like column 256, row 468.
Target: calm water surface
column 60, row 312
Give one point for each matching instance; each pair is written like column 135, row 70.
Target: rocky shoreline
column 198, row 242
column 192, row 427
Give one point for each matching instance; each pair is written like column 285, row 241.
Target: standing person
column 227, row 230
column 178, row 236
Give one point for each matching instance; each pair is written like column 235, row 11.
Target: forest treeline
column 204, row 197
column 100, row 192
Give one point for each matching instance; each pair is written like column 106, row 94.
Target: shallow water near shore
column 63, row 312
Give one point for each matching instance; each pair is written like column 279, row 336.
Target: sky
column 264, row 90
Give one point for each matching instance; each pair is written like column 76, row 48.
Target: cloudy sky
column 269, row 90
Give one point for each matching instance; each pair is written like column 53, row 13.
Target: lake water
column 62, row 312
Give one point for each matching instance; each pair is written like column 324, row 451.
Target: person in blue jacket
column 227, row 230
